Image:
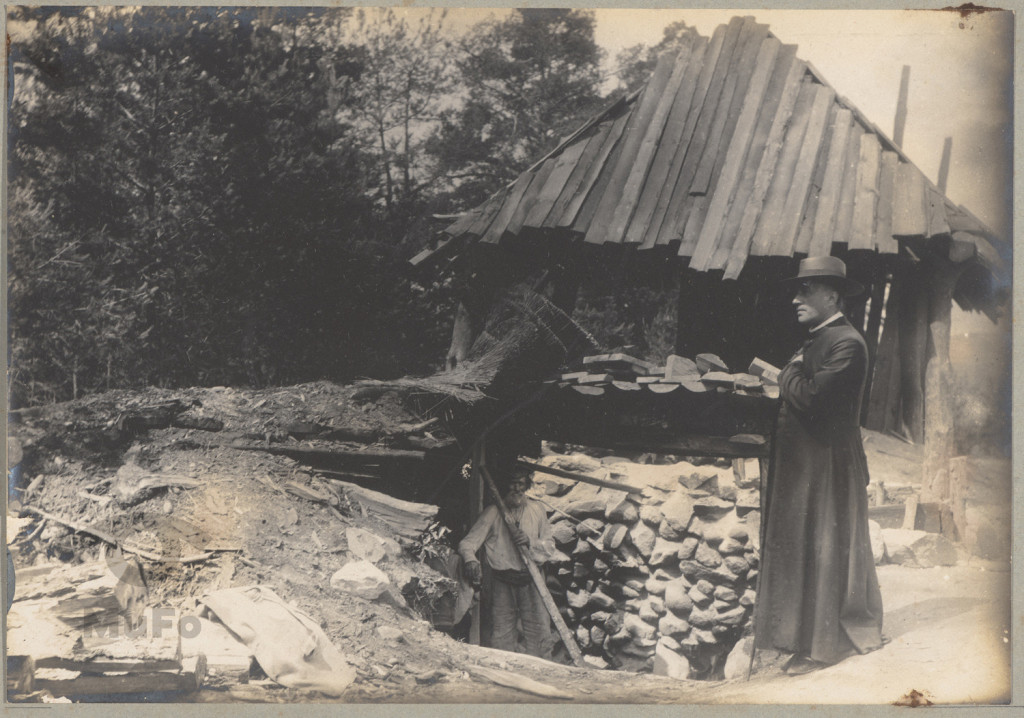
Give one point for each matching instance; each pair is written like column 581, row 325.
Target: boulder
column 707, row 556
column 700, row 478
column 724, row 593
column 586, row 507
column 577, row 599
column 643, row 538
column 747, row 599
column 563, row 532
column 601, row 601
column 369, row 546
column 919, row 549
column 672, row 625
column 597, row 634
column 638, row 628
column 595, row 662
column 583, row 637
column 736, row 564
column 732, row 617
column 622, row 511
column 614, row 535
column 664, row 551
column 698, row 597
column 629, row 592
column 703, row 617
column 678, row 511
column 647, row 613
column 731, row 547
column 676, row 597
column 738, row 661
column 688, row 547
column 670, row 664
column 711, row 507
column 361, row 578
column 651, row 515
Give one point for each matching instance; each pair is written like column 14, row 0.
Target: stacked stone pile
column 658, row 580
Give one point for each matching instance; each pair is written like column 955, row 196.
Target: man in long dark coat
column 819, row 597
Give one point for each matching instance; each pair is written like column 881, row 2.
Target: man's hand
column 519, row 537
column 474, row 572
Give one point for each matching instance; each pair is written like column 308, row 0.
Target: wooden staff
column 538, row 580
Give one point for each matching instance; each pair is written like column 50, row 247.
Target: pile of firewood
column 658, row 577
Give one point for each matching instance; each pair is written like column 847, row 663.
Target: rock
column 658, row 604
column 361, row 578
column 696, row 571
column 600, row 566
column 597, row 634
column 698, row 597
column 647, row 612
column 595, row 662
column 733, row 617
column 629, row 592
column 557, row 557
column 724, row 575
column 749, row 499
column 390, row 633
column 713, row 533
column 877, row 542
column 601, row 601
column 688, row 547
column 664, row 551
column 614, row 535
column 677, row 598
column 369, row 546
column 711, row 507
column 704, row 637
column 700, row 478
column 702, row 617
column 651, row 515
column 563, row 532
column 678, row 511
column 747, row 599
column 736, row 564
column 590, row 528
column 577, row 599
column 738, row 661
column 672, row 625
column 724, row 593
column 919, row 548
column 731, row 547
column 670, row 664
column 707, row 556
column 622, row 511
column 583, row 637
column 739, row 534
column 656, row 586
column 638, row 628
column 643, row 538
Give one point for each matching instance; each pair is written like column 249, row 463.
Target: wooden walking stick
column 538, row 580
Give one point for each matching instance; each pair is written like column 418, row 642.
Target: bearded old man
column 819, row 597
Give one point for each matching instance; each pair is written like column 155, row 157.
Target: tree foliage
column 529, row 78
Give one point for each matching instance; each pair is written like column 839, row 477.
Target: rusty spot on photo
column 914, row 699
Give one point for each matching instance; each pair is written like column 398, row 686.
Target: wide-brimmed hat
column 829, row 270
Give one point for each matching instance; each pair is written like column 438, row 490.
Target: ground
column 948, row 627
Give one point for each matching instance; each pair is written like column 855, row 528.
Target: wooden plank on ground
column 562, row 169
column 765, row 168
column 770, row 221
column 736, row 155
column 646, row 152
column 844, row 214
column 865, row 203
column 884, row 241
column 832, row 185
column 751, row 162
column 652, row 99
column 640, row 229
column 803, row 238
column 909, row 218
column 799, row 186
column 716, row 66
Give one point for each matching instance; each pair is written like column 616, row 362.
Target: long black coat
column 819, row 594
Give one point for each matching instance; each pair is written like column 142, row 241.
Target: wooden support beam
column 913, row 318
column 618, row 486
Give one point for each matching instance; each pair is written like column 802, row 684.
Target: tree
column 635, row 64
column 530, row 79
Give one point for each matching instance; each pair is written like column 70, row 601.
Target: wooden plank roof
column 734, row 148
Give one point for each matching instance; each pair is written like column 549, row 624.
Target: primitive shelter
column 736, row 159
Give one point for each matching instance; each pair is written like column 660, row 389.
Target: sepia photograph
column 564, row 356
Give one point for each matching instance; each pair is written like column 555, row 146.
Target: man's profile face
column 516, row 493
column 815, row 302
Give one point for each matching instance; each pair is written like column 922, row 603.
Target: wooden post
column 884, row 399
column 901, row 107
column 942, row 275
column 913, row 318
